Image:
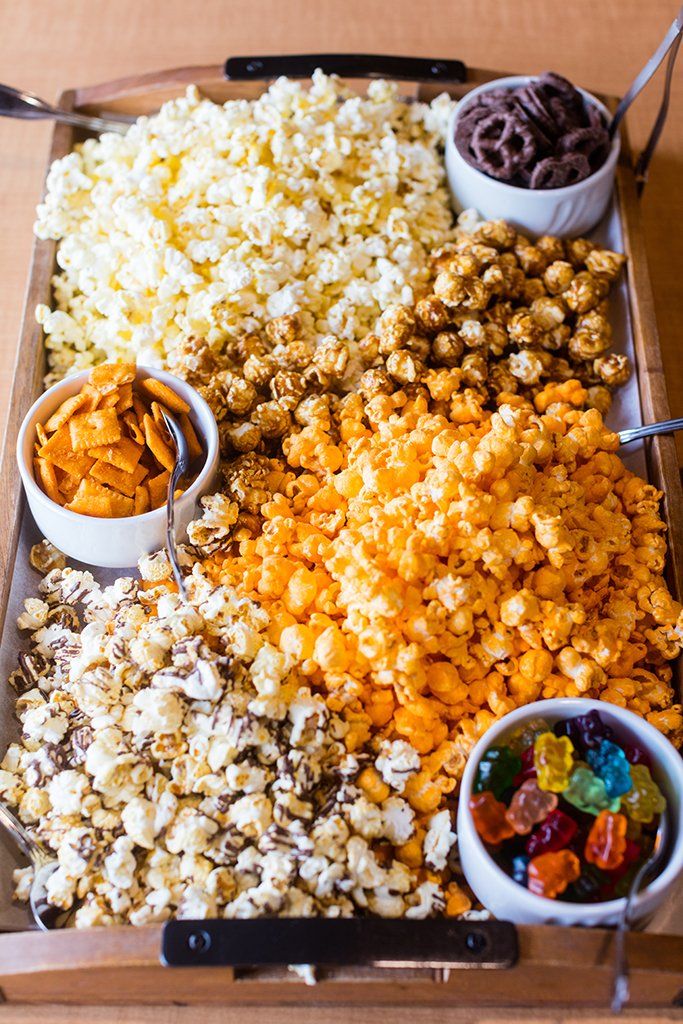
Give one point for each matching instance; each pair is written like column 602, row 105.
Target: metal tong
column 17, row 103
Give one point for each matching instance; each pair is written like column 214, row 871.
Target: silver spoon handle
column 649, row 430
column 24, row 841
column 180, row 467
column 170, row 532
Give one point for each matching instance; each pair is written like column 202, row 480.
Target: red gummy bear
column 488, row 815
column 528, row 767
column 556, row 832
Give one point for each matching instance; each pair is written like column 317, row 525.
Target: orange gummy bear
column 606, row 842
column 551, row 873
column 489, row 818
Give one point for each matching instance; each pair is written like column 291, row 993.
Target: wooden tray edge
column 121, row 965
column 657, row 960
column 27, row 376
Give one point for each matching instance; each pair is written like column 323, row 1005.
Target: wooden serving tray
column 555, row 965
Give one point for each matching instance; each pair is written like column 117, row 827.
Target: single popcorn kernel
column 372, row 785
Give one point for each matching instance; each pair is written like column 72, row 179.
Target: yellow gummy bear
column 553, row 761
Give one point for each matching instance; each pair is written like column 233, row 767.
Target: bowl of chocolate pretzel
column 535, row 151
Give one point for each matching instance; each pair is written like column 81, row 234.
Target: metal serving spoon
column 649, row 430
column 17, row 103
column 647, row 871
column 182, row 464
column 44, row 863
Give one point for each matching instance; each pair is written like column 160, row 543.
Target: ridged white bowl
column 571, row 210
column 505, row 898
column 113, row 543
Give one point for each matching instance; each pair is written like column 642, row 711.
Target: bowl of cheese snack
column 559, row 808
column 535, row 151
column 95, row 459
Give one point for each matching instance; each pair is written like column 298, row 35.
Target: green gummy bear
column 496, row 771
column 587, row 792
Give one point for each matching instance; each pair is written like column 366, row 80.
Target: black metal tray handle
column 345, row 942
column 347, row 65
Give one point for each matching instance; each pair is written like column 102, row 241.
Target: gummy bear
column 528, row 806
column 609, row 762
column 554, row 833
column 496, row 771
column 553, row 760
column 645, row 798
column 587, row 887
column 606, row 842
column 528, row 769
column 488, row 815
column 636, row 755
column 587, row 792
column 551, row 873
column 520, row 865
column 632, row 854
column 585, row 731
column 526, row 734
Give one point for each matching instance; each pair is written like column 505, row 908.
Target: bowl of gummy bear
column 559, row 807
column 535, row 152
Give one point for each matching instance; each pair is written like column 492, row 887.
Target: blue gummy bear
column 520, row 865
column 610, row 763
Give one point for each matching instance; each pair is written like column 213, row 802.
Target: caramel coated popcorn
column 511, row 314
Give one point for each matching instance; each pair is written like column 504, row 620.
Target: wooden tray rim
column 33, row 955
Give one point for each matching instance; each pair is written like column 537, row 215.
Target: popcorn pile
column 432, row 570
column 210, row 220
column 505, row 316
column 178, row 764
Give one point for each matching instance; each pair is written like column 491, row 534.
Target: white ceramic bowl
column 113, row 543
column 505, row 898
column 571, row 210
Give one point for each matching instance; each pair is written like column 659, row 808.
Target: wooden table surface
column 47, row 45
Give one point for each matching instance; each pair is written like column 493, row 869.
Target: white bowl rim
column 45, row 398
column 511, row 81
column 562, row 706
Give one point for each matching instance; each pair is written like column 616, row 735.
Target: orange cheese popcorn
column 441, row 563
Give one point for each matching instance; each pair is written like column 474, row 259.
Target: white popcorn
column 34, row 615
column 337, row 218
column 429, row 901
column 66, row 791
column 119, row 866
column 203, row 778
column 138, row 817
column 397, row 762
column 158, row 711
column 438, row 840
column 397, row 820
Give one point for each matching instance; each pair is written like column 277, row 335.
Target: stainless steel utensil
column 182, row 464
column 17, row 103
column 647, row 871
column 44, row 863
column 649, row 430
column 669, row 43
